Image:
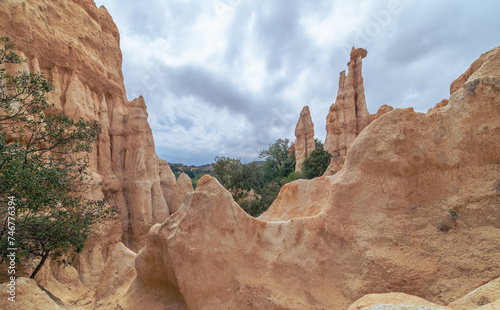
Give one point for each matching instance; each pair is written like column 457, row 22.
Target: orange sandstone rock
column 348, row 116
column 304, row 138
column 77, row 45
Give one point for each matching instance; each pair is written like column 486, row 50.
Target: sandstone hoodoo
column 348, row 116
column 175, row 192
column 411, row 220
column 304, row 138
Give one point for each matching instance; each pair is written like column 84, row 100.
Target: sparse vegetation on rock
column 43, row 170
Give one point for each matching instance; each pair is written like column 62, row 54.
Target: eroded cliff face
column 77, row 46
column 304, row 138
column 415, row 209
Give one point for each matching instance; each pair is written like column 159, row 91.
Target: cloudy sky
column 228, row 77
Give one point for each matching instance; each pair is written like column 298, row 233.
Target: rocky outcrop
column 415, row 209
column 304, row 138
column 175, row 192
column 348, row 116
column 394, row 301
column 439, row 105
column 28, row 295
column 484, row 297
column 77, row 46
column 476, row 65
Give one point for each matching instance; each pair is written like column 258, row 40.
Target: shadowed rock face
column 304, row 138
column 415, row 209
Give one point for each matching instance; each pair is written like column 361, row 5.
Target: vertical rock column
column 304, row 135
column 348, row 115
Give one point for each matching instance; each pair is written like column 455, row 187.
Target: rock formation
column 183, row 187
column 484, row 297
column 77, row 46
column 348, row 116
column 175, row 192
column 394, row 301
column 304, row 138
column 28, row 296
column 415, row 209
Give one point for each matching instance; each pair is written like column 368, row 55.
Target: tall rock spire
column 348, row 115
column 304, row 138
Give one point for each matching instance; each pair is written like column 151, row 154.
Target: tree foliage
column 231, row 174
column 256, row 185
column 43, row 170
column 316, row 164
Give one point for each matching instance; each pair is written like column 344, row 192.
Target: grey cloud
column 412, row 59
column 207, row 86
column 152, row 18
column 433, row 43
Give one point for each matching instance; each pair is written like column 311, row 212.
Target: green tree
column 190, row 174
column 318, row 144
column 242, row 180
column 316, row 164
column 256, row 185
column 231, row 173
column 43, row 171
column 278, row 160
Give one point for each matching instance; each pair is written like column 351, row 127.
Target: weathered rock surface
column 394, row 301
column 304, row 138
column 175, row 192
column 183, row 187
column 415, row 209
column 484, row 297
column 460, row 81
column 299, row 199
column 348, row 116
column 439, row 105
column 77, row 45
column 28, row 296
